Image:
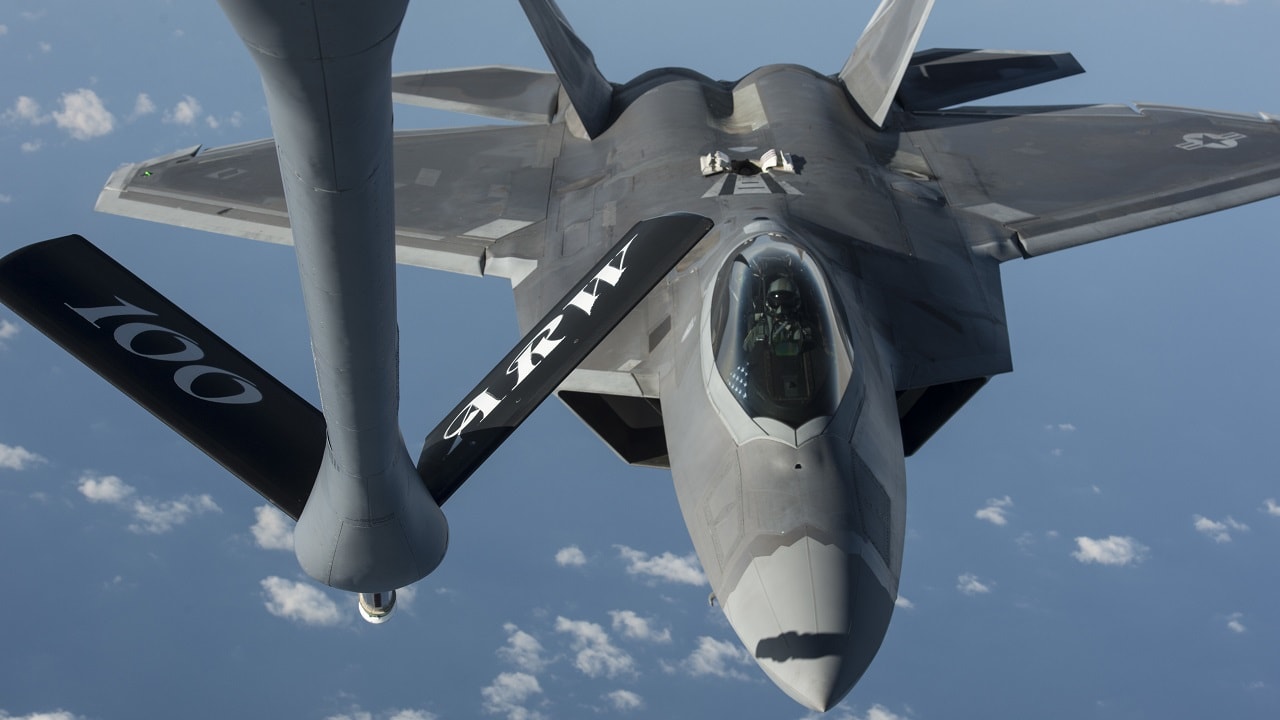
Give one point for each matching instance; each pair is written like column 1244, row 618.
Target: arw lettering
column 543, row 344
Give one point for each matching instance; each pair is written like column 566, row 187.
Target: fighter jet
column 779, row 287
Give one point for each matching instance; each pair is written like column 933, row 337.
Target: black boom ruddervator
column 256, row 427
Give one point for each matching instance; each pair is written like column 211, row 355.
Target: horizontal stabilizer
column 589, row 92
column 561, row 340
column 170, row 364
column 873, row 71
column 941, row 78
column 506, row 93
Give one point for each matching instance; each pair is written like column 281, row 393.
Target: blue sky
column 1089, row 538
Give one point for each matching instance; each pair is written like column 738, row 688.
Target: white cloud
column 904, row 603
column 405, row 597
column 1270, row 507
column 236, row 119
column 104, row 489
column 597, row 656
column 875, row 712
column 411, row 714
column 508, row 693
column 880, row 712
column 969, row 584
column 718, row 658
column 31, row 146
column 571, row 556
column 1061, row 427
column 17, row 458
column 27, row 110
column 358, row 713
column 996, row 512
column 9, row 330
column 1219, row 532
column 354, row 714
column 54, row 715
column 1111, row 550
column 32, row 15
column 299, row 602
column 185, row 112
column 635, row 627
column 83, row 115
column 212, row 122
column 4, row 29
column 272, row 530
column 44, row 47
column 1234, row 624
column 4, row 200
column 1228, row 2
column 142, row 105
column 150, row 515
column 624, row 700
column 666, row 566
column 160, row 516
column 522, row 650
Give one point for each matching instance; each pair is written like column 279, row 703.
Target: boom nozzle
column 376, row 607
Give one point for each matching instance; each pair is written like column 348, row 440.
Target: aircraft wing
column 463, row 197
column 1047, row 179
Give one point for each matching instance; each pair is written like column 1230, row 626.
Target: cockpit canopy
column 776, row 335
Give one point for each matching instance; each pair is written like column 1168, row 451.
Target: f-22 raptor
column 778, row 287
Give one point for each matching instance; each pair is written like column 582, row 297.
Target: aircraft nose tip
column 816, row 684
column 813, row 616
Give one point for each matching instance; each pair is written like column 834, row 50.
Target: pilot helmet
column 782, row 296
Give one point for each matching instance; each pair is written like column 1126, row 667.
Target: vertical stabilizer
column 874, row 70
column 589, row 93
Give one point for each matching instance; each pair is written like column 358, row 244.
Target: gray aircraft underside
column 846, row 303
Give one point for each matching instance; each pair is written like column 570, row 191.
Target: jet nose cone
column 813, row 616
column 817, row 684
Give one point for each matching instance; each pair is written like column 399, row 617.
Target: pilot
column 782, row 324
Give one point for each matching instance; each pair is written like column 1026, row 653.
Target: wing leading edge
column 466, row 200
column 1052, row 178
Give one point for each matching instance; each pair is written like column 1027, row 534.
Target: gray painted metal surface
column 505, row 93
column 783, row 417
column 940, row 78
column 589, row 93
column 369, row 525
column 876, row 66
